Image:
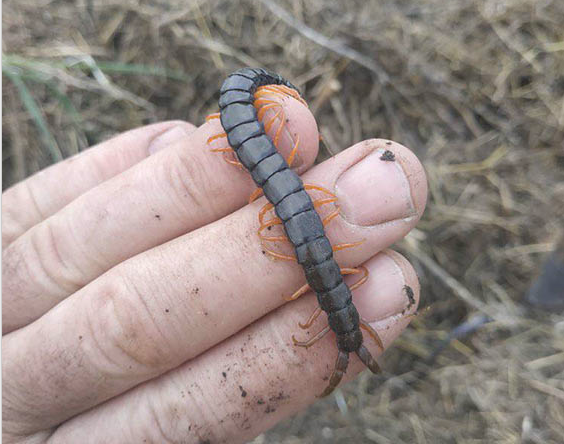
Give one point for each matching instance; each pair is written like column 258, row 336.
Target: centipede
column 243, row 102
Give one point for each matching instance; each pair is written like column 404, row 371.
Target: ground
column 475, row 88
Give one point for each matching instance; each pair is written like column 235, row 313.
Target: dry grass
column 475, row 88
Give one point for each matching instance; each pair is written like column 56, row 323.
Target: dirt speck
column 388, row 156
column 410, row 295
column 243, row 392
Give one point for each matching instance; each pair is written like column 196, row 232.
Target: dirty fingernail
column 389, row 296
column 375, row 190
column 168, row 138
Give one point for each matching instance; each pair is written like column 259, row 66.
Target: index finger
column 34, row 199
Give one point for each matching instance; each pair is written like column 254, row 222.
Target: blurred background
column 475, row 88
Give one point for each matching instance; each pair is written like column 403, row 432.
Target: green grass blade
column 34, row 111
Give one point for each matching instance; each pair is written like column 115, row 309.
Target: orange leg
column 284, row 91
column 300, row 292
column 373, row 333
column 362, row 269
column 262, row 101
column 267, row 225
column 263, row 109
column 320, row 202
column 212, row 117
column 311, row 341
column 217, row 136
column 340, row 247
column 233, row 162
column 263, row 92
column 318, row 188
column 276, row 255
column 265, row 209
column 292, row 155
column 311, row 319
column 279, row 130
column 331, row 216
column 255, row 195
column 305, row 288
column 270, row 223
column 268, row 125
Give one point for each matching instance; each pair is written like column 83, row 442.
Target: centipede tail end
column 368, row 360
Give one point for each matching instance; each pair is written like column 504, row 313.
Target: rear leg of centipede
column 340, row 368
column 367, row 359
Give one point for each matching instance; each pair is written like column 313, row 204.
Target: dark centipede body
column 292, row 204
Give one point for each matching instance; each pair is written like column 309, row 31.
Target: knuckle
column 47, row 243
column 188, row 179
column 164, row 419
column 14, row 221
column 126, row 328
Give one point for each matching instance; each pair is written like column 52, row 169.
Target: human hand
column 137, row 303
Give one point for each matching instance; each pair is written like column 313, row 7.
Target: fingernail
column 374, row 191
column 387, row 297
column 167, row 138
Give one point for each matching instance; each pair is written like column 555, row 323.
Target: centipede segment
column 244, row 102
